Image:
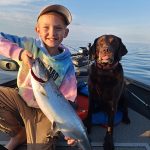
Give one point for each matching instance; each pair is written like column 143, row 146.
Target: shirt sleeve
column 9, row 49
column 69, row 85
column 12, row 45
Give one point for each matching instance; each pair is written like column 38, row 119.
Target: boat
column 126, row 137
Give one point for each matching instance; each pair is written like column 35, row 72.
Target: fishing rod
column 146, row 104
column 74, row 49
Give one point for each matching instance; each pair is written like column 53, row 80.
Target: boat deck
column 126, row 137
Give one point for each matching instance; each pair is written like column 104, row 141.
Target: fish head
column 39, row 71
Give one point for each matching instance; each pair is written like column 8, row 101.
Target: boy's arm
column 9, row 49
column 23, row 42
column 11, row 46
column 12, row 38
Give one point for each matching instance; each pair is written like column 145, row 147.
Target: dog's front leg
column 108, row 141
column 124, row 107
column 88, row 120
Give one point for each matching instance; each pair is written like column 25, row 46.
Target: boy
column 51, row 28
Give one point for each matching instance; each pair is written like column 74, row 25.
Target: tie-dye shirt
column 60, row 66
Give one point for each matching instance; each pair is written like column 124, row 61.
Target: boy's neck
column 54, row 51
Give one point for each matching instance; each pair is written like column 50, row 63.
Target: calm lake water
column 136, row 63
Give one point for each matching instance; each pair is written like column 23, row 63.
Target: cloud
column 17, row 2
column 17, row 11
column 13, row 2
column 17, row 17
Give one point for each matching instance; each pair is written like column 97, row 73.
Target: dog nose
column 106, row 49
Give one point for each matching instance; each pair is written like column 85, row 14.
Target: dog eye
column 111, row 40
column 101, row 42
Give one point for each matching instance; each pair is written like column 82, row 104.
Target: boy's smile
column 51, row 29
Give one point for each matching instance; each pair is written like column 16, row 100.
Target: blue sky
column 128, row 19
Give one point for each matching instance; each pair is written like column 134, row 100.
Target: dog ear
column 92, row 50
column 122, row 50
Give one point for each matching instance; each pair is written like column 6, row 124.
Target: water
column 136, row 63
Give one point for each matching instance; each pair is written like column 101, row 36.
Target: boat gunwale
column 128, row 80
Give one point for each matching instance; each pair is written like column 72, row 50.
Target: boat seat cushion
column 99, row 118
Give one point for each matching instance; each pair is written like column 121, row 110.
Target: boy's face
column 51, row 29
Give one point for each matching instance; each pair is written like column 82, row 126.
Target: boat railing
column 137, row 83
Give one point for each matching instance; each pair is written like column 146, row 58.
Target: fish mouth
column 39, row 72
column 37, row 78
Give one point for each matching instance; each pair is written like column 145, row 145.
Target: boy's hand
column 70, row 141
column 27, row 58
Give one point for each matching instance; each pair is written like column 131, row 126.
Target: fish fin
column 42, row 91
column 55, row 130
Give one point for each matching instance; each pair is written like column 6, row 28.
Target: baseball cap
column 58, row 9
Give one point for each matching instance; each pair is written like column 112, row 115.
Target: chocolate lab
column 106, row 83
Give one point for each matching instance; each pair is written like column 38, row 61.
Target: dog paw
column 88, row 130
column 88, row 126
column 108, row 142
column 126, row 120
column 109, row 146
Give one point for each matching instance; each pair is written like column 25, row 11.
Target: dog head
column 107, row 49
